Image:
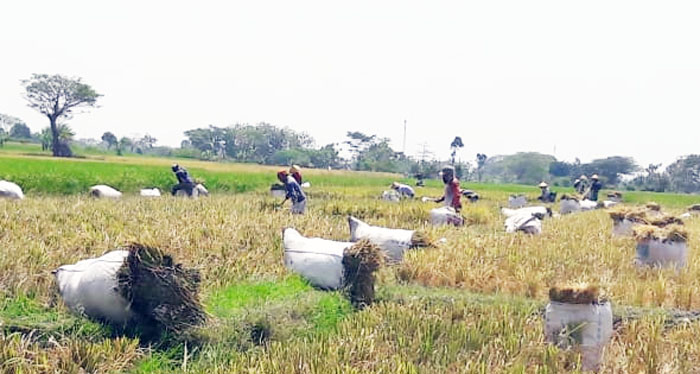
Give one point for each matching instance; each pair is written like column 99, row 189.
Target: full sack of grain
column 541, row 210
column 661, row 246
column 625, row 219
column 137, row 285
column 393, row 242
column 150, row 192
column 9, row 190
column 391, row 196
column 446, row 216
column 575, row 318
column 516, row 201
column 569, row 204
column 524, row 221
column 102, row 191
column 333, row 265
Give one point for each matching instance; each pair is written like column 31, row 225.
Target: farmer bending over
column 184, row 181
column 452, row 194
column 403, row 190
column 294, row 192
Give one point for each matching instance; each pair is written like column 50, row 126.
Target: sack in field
column 150, row 192
column 541, row 210
column 138, row 285
column 393, row 242
column 526, row 222
column 10, row 190
column 588, row 327
column 658, row 246
column 445, row 216
column 516, row 201
column 391, row 196
column 333, row 265
column 102, row 191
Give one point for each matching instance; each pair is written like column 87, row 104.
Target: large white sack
column 391, row 196
column 588, row 325
column 150, row 192
column 10, row 190
column 89, row 287
column 197, row 190
column 518, row 201
column 569, row 206
column 524, row 221
column 588, row 205
column 445, row 216
column 103, row 191
column 623, row 228
column 609, row 204
column 656, row 252
column 528, row 210
column 320, row 261
column 393, row 242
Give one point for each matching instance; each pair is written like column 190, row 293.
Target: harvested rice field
column 473, row 303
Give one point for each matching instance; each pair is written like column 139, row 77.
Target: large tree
column 110, row 139
column 20, row 131
column 55, row 96
column 454, row 146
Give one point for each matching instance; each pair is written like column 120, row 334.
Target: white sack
column 623, row 228
column 103, row 191
column 10, row 190
column 306, row 185
column 150, row 192
column 685, row 215
column 528, row 210
column 655, row 252
column 587, row 205
column 199, row 190
column 320, row 261
column 393, row 242
column 392, row 196
column 445, row 216
column 569, row 206
column 609, row 204
column 523, row 221
column 589, row 326
column 517, row 201
column 89, row 287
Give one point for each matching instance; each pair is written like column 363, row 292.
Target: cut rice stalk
column 360, row 262
column 581, row 293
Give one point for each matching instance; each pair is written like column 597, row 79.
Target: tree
column 611, row 168
column 110, row 139
column 20, row 131
column 148, row 141
column 560, row 169
column 684, row 174
column 56, row 97
column 454, row 146
column 123, row 144
column 480, row 162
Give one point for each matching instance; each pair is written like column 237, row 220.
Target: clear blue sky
column 591, row 78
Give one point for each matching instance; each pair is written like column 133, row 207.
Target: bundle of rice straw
column 694, row 208
column 615, row 194
column 643, row 216
column 360, row 262
column 160, row 292
column 653, row 206
column 671, row 233
column 570, row 197
column 421, row 239
column 581, row 293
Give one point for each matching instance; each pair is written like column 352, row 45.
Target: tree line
column 56, row 97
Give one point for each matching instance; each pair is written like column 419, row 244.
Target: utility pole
column 404, row 137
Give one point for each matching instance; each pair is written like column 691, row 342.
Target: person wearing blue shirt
column 294, row 192
column 184, row 181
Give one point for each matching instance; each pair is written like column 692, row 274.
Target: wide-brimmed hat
column 594, row 176
column 394, row 185
column 543, row 185
column 583, row 177
column 295, row 169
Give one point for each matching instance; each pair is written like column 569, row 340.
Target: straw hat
column 394, row 185
column 595, row 176
column 583, row 178
column 295, row 169
column 543, row 185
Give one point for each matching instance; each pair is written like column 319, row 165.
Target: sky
column 573, row 79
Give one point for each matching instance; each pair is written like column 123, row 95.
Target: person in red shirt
column 452, row 194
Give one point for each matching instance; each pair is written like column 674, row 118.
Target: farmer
column 452, row 194
column 546, row 196
column 184, row 181
column 581, row 184
column 403, row 190
column 595, row 187
column 294, row 192
column 295, row 171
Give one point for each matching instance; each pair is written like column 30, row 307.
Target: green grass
column 227, row 301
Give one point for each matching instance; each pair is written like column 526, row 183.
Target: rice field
column 473, row 304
